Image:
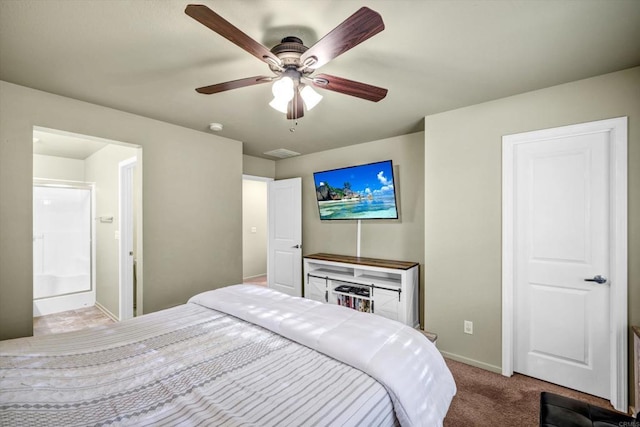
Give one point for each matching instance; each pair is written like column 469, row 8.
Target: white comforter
column 184, row 366
column 399, row 357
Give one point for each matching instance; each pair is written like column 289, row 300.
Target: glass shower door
column 61, row 241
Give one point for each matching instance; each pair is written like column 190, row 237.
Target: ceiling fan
column 293, row 64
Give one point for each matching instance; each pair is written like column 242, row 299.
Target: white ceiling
column 147, row 57
column 62, row 144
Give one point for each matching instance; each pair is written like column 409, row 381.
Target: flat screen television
column 357, row 192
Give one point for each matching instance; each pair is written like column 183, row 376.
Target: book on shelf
column 355, row 303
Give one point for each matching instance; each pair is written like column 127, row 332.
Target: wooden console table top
column 371, row 262
column 636, row 330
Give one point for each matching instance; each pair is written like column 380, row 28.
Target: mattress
column 188, row 365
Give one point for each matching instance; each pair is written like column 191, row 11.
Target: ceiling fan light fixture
column 283, row 89
column 279, row 104
column 310, row 97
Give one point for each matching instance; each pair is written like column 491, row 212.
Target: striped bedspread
column 400, row 358
column 188, row 365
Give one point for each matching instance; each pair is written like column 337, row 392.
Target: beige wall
column 102, row 169
column 192, row 200
column 254, row 214
column 258, row 167
column 390, row 239
column 463, row 203
column 53, row 167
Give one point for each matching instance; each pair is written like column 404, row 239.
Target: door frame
column 617, row 128
column 126, row 170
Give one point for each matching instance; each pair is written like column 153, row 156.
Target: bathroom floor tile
column 68, row 321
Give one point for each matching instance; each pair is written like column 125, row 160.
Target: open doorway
column 254, row 229
column 65, row 160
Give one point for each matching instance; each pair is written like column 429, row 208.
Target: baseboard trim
column 106, row 312
column 253, row 277
column 472, row 362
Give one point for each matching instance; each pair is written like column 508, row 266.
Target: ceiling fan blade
column 349, row 87
column 295, row 109
column 360, row 26
column 217, row 23
column 235, row 84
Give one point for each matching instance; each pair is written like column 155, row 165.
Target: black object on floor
column 560, row 411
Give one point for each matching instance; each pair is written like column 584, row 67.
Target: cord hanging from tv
column 357, row 192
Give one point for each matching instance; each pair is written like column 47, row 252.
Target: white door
column 564, row 222
column 284, row 264
column 126, row 202
column 562, row 240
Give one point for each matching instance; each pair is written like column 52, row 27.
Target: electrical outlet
column 468, row 327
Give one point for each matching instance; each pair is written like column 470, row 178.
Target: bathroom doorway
column 64, row 163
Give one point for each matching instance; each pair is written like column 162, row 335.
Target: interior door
column 561, row 261
column 126, row 252
column 284, row 264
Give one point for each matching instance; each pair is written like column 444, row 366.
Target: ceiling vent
column 281, row 153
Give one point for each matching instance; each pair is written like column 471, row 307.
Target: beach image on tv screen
column 357, row 192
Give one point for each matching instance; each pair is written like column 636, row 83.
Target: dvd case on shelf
column 355, row 303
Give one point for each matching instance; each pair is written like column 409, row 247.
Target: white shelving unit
column 383, row 287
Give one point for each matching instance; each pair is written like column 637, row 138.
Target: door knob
column 297, row 247
column 598, row 279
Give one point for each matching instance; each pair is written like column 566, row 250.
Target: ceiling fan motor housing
column 289, row 51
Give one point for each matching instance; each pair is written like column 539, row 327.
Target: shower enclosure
column 62, row 248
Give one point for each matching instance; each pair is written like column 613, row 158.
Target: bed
column 239, row 355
